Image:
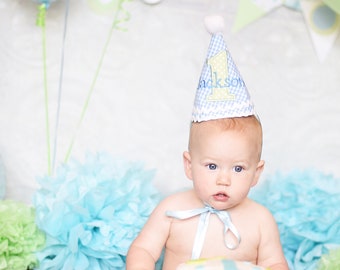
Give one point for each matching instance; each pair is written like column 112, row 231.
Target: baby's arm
column 270, row 252
column 147, row 247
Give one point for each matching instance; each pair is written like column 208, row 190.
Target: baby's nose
column 223, row 179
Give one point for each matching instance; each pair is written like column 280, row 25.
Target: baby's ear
column 259, row 170
column 187, row 164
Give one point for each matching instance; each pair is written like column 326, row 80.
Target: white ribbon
column 203, row 226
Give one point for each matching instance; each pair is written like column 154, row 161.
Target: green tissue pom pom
column 20, row 238
column 330, row 261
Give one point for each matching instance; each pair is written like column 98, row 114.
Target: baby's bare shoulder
column 183, row 200
column 253, row 208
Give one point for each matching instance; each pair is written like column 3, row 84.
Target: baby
column 215, row 218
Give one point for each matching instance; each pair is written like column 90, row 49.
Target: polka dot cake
column 218, row 264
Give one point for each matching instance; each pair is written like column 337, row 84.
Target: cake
column 219, row 263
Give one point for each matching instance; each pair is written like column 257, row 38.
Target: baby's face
column 224, row 164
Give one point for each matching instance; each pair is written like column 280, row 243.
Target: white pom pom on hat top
column 214, row 24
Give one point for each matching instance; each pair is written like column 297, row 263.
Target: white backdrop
column 141, row 103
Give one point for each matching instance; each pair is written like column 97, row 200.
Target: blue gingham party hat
column 221, row 91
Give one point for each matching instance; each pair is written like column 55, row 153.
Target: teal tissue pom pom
column 305, row 205
column 92, row 211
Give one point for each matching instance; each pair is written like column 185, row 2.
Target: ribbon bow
column 203, row 226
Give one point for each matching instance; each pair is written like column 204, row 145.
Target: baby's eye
column 238, row 169
column 212, row 166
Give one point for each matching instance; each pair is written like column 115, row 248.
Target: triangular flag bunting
column 323, row 25
column 333, row 4
column 251, row 10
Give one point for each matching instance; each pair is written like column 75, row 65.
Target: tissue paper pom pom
column 20, row 238
column 46, row 2
column 2, row 180
column 214, row 24
column 92, row 212
column 152, row 2
column 330, row 261
column 306, row 208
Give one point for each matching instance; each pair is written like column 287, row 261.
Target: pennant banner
column 323, row 25
column 333, row 4
column 322, row 18
column 251, row 10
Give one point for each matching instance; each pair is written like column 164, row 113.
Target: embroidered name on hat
column 219, row 83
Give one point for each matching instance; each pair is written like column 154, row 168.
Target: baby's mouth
column 221, row 196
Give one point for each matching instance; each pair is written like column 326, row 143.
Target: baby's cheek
column 241, row 192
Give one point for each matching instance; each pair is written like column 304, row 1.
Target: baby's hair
column 250, row 124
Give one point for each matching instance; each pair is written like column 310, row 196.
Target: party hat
column 221, row 92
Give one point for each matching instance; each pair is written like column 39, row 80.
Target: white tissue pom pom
column 214, row 24
column 152, row 2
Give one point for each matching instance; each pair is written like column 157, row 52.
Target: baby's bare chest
column 183, row 232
